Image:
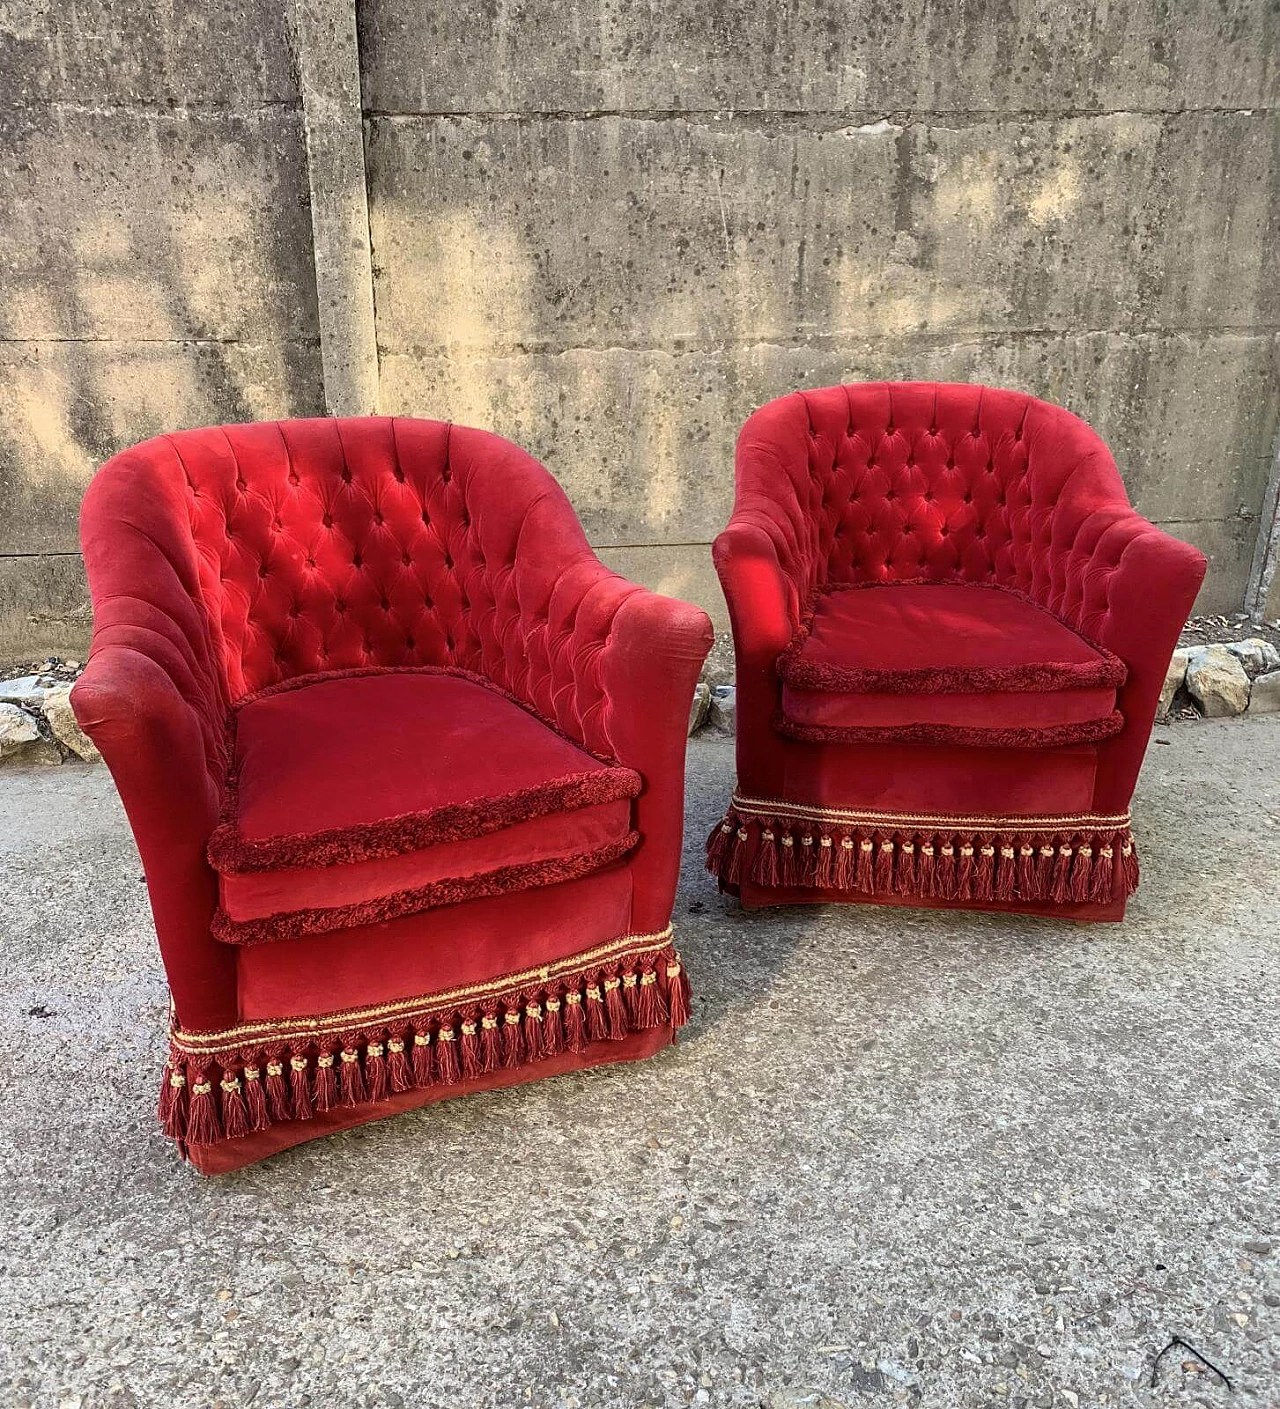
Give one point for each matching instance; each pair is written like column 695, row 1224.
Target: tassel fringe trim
column 1084, row 859
column 219, row 1086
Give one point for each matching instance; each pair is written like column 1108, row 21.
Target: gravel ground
column 900, row 1156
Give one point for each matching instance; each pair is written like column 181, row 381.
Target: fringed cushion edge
column 1083, row 859
column 222, row 1085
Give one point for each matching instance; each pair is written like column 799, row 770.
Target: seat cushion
column 360, row 796
column 945, row 663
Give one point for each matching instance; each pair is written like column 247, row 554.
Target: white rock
column 1264, row 698
column 1217, row 682
column 723, row 714
column 1173, row 678
column 62, row 721
column 21, row 740
column 26, row 690
column 699, row 706
column 1256, row 655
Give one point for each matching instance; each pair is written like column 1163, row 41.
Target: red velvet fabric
column 355, row 787
column 943, row 662
column 226, row 560
column 890, row 482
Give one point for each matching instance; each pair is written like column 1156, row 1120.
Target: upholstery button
column 357, row 561
column 377, row 516
column 346, row 476
column 405, row 559
column 386, row 605
column 327, row 521
column 241, row 485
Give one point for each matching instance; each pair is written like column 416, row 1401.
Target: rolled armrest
column 650, row 668
column 1149, row 594
column 155, row 742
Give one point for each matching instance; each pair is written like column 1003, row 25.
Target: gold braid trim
column 311, row 1028
column 920, row 822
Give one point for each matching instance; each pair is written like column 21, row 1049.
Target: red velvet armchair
column 951, row 633
column 404, row 763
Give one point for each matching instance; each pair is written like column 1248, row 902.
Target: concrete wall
column 610, row 232
column 155, row 260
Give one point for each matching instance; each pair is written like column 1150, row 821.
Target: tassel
column 965, row 872
column 422, row 1065
column 235, row 1120
column 469, row 1047
column 447, row 1057
column 947, row 888
column 650, row 1011
column 354, row 1092
column 174, row 1105
column 1104, row 864
column 203, row 1127
column 984, row 875
column 904, row 881
column 733, row 871
column 764, row 868
column 490, row 1039
column 1006, row 871
column 301, row 1088
column 512, row 1041
column 532, row 1031
column 326, row 1082
column 552, row 1031
column 882, row 881
column 843, row 878
column 375, row 1071
column 630, row 996
column 166, row 1093
column 615, row 1011
column 677, row 993
column 1026, row 887
column 1044, row 871
column 1129, row 864
column 1080, row 873
column 808, row 859
column 597, row 1028
column 927, row 871
column 399, row 1072
column 790, row 868
column 575, row 1022
column 863, row 879
column 825, row 873
column 719, row 842
column 1060, row 887
column 277, row 1090
column 255, row 1099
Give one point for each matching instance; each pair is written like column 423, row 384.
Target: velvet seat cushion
column 945, row 663
column 361, row 796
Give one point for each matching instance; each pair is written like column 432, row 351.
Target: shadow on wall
column 619, row 294
column 140, row 287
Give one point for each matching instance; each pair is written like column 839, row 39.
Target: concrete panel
column 44, row 608
column 65, row 407
column 500, row 235
column 145, row 225
column 643, row 440
column 683, row 571
column 816, row 55
column 225, row 52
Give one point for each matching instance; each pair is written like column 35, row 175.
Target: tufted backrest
column 326, row 544
column 880, row 482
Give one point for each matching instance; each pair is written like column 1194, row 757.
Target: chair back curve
column 880, row 482
column 330, row 544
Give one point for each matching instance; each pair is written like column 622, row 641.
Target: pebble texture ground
column 925, row 1158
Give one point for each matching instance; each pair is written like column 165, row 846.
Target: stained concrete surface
column 900, row 1156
